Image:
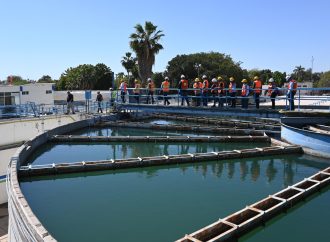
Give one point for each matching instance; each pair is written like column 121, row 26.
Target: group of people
column 203, row 92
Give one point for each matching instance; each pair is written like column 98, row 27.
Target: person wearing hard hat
column 183, row 89
column 292, row 89
column 150, row 91
column 245, row 94
column 165, row 89
column 221, row 91
column 197, row 92
column 137, row 90
column 257, row 86
column 123, row 90
column 214, row 91
column 232, row 92
column 205, row 90
column 272, row 91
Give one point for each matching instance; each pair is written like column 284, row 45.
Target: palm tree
column 145, row 43
column 299, row 70
column 128, row 62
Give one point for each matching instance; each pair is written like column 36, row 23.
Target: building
column 39, row 93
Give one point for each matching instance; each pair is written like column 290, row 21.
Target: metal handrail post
column 298, row 99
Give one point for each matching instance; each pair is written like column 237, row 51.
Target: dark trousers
column 291, row 100
column 272, row 98
column 221, row 100
column 233, row 99
column 245, row 102
column 99, row 107
column 215, row 99
column 184, row 96
column 197, row 100
column 123, row 96
column 150, row 94
column 166, row 102
column 257, row 99
column 205, row 98
column 137, row 97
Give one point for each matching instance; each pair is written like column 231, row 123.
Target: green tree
column 279, row 78
column 298, row 73
column 129, row 63
column 145, row 43
column 18, row 80
column 158, row 78
column 212, row 64
column 45, row 79
column 324, row 80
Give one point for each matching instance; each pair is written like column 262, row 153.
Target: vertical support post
column 298, row 99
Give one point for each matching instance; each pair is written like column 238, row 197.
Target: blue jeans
column 291, row 100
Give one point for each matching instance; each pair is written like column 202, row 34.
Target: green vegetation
column 145, row 43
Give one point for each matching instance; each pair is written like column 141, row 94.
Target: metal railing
column 304, row 97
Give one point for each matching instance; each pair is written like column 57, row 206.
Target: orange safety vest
column 166, row 86
column 151, row 86
column 184, row 84
column 197, row 86
column 244, row 90
column 221, row 87
column 205, row 85
column 257, row 86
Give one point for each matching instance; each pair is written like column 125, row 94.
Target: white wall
column 79, row 95
column 37, row 93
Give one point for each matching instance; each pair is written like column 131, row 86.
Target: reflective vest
column 205, row 85
column 184, row 84
column 197, row 86
column 232, row 87
column 123, row 87
column 293, row 86
column 221, row 87
column 257, row 86
column 245, row 90
column 165, row 86
column 271, row 88
column 151, row 86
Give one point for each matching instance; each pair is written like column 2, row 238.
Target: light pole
column 198, row 67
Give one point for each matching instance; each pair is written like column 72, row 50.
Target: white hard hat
column 149, row 79
column 182, row 76
column 271, row 80
column 166, row 78
column 288, row 77
column 214, row 80
column 204, row 77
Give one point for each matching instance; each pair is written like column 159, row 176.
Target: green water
column 73, row 152
column 164, row 203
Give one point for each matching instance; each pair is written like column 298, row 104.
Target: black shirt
column 69, row 99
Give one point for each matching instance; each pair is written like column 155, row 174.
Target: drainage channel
column 162, row 139
column 241, row 222
column 220, row 122
column 86, row 166
column 194, row 128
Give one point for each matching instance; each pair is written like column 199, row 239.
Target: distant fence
column 302, row 101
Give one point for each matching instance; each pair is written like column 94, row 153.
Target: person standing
column 292, row 89
column 221, row 91
column 245, row 94
column 205, row 90
column 150, row 91
column 136, row 91
column 99, row 99
column 214, row 91
column 69, row 102
column 232, row 92
column 197, row 92
column 257, row 86
column 272, row 91
column 183, row 90
column 165, row 89
column 123, row 90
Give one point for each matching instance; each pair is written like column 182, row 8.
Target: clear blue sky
column 41, row 37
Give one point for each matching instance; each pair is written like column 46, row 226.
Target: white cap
column 182, row 76
column 204, row 77
column 214, row 80
column 271, row 80
column 166, row 78
column 149, row 79
column 288, row 77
